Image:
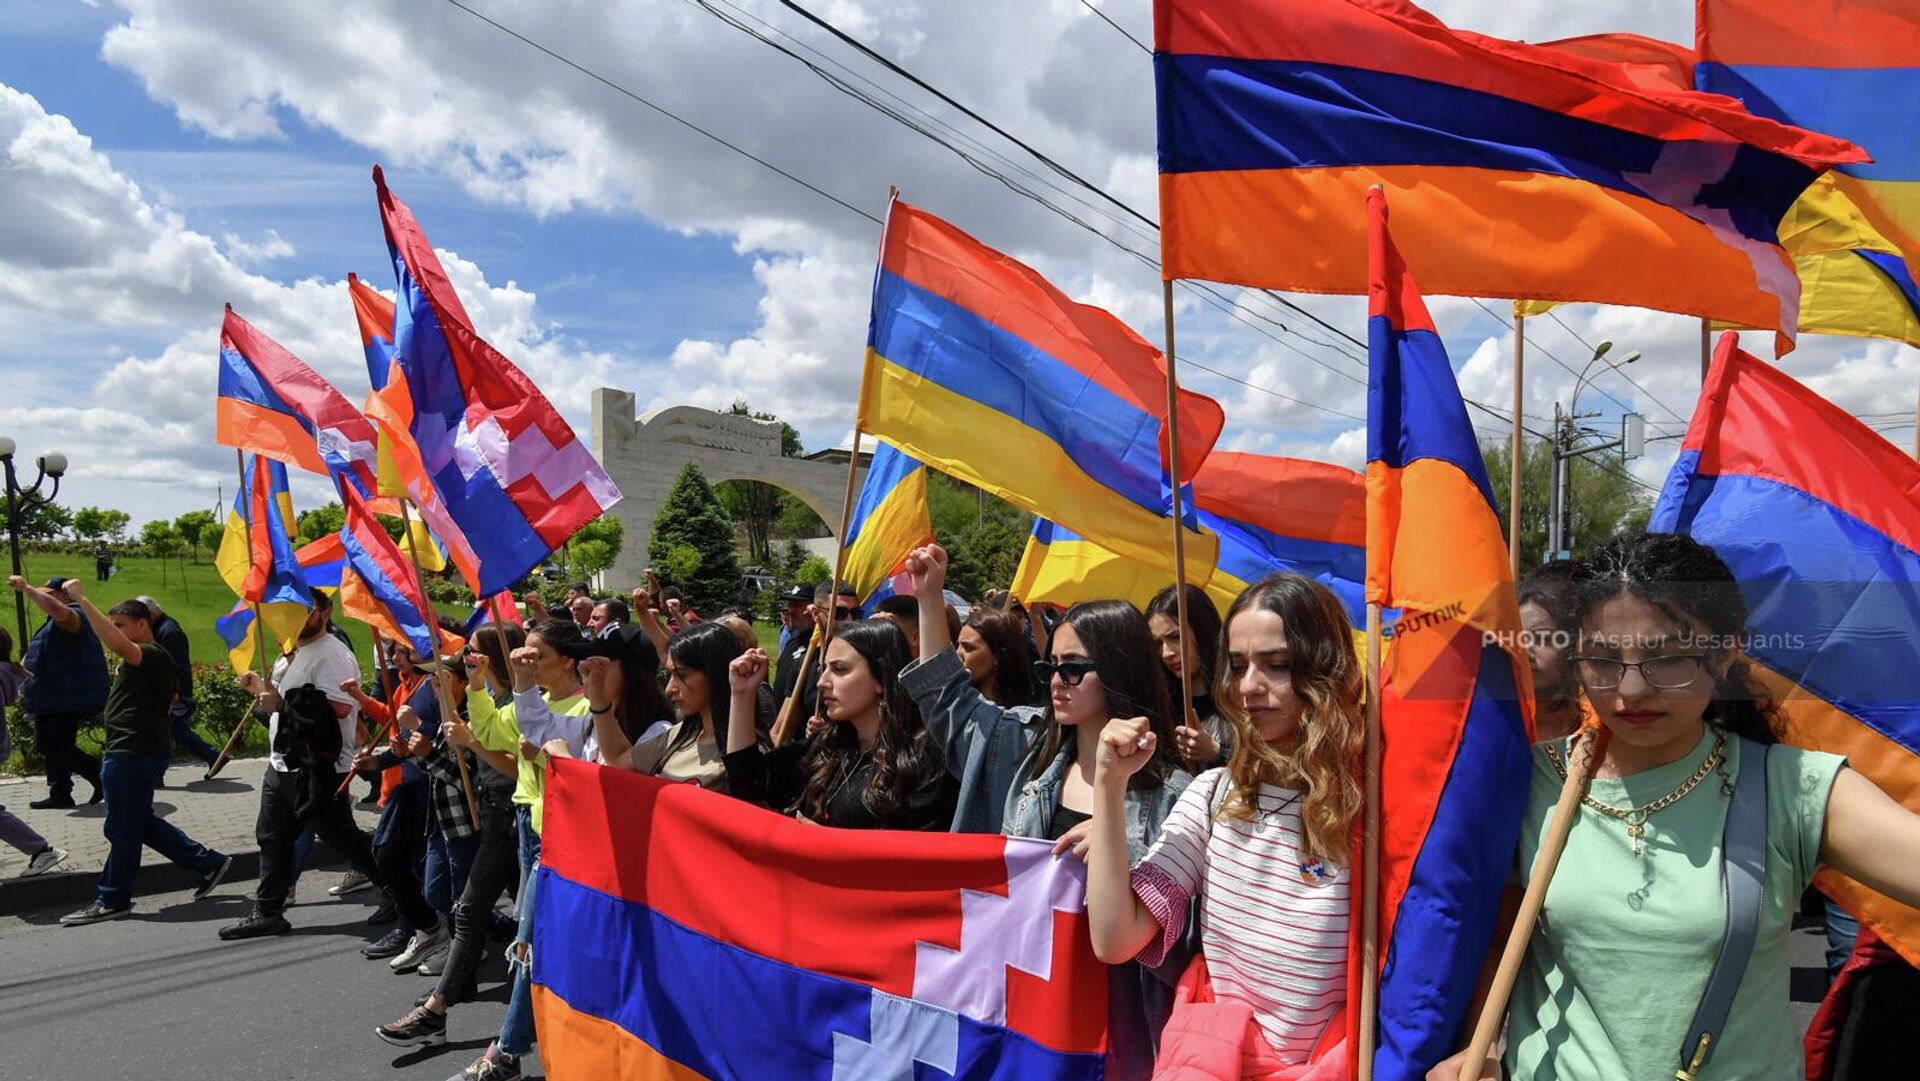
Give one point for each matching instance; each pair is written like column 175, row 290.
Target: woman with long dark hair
column 872, row 767
column 1546, row 597
column 1194, row 650
column 998, row 655
column 1262, row 844
column 689, row 748
column 1637, row 911
column 1029, row 773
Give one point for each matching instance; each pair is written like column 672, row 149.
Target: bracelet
column 599, row 712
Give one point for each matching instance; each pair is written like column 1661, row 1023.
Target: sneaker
column 94, row 913
column 386, row 913
column 293, row 888
column 388, row 945
column 255, row 924
column 351, row 882
column 97, row 796
column 421, row 1027
column 44, row 860
column 435, row 962
column 419, row 946
column 492, row 1066
column 54, row 803
column 213, row 878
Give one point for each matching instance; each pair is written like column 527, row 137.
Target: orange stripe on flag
column 574, row 1044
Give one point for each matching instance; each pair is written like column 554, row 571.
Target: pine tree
column 692, row 544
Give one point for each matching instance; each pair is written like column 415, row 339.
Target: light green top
column 1625, row 943
column 498, row 729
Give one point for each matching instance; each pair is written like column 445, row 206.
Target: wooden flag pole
column 1517, row 452
column 449, row 710
column 783, row 724
column 264, row 653
column 1706, row 347
column 782, row 728
column 1370, row 858
column 1590, row 745
column 1179, row 534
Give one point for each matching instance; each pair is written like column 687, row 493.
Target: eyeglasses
column 1070, row 672
column 1666, row 673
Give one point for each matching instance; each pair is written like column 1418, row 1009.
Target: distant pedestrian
column 102, row 563
column 134, row 759
column 173, row 638
column 41, row 855
column 65, row 692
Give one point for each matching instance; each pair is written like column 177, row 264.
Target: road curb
column 73, row 889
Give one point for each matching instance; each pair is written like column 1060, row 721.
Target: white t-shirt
column 1272, row 939
column 326, row 664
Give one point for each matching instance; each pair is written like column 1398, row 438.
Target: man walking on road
column 172, row 638
column 66, row 689
column 135, row 757
column 311, row 730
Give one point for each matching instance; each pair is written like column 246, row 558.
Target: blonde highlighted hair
column 1323, row 759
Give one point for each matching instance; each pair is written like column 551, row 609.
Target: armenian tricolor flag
column 800, row 952
column 269, row 402
column 1814, row 512
column 889, row 520
column 980, row 368
column 1518, row 171
column 379, row 586
column 256, row 556
column 1454, row 725
column 514, row 479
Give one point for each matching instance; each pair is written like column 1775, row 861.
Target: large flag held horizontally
column 270, row 402
column 890, row 519
column 980, row 368
column 797, row 951
column 516, row 481
column 1455, row 768
column 1518, row 171
column 1815, row 514
column 256, row 556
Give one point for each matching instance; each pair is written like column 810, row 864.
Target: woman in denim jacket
column 1029, row 773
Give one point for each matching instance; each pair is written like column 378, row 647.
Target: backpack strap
column 1744, row 873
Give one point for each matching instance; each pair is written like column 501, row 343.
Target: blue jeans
column 1842, row 929
column 187, row 739
column 516, row 1032
column 128, row 782
column 446, row 872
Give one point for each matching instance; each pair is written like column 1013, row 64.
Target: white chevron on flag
column 998, row 933
column 900, row 1033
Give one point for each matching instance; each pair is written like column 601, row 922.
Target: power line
column 669, row 114
column 1142, row 46
column 1621, row 368
column 1602, row 391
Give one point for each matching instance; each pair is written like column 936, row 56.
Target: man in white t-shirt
column 307, row 760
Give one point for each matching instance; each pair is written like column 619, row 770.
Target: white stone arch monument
column 645, row 454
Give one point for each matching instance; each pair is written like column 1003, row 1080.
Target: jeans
column 400, row 851
column 516, row 1032
column 54, row 734
column 449, row 863
column 129, row 782
column 495, row 867
column 289, row 803
column 1842, row 929
column 187, row 739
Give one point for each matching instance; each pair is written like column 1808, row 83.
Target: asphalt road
column 158, row 995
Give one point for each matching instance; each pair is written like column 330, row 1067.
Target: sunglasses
column 1070, row 672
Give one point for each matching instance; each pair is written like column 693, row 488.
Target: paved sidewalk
column 219, row 814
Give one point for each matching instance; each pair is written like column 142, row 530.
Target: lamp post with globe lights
column 52, row 465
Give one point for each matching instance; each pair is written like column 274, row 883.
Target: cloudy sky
column 159, row 158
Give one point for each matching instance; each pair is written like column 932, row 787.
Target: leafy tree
column 595, row 547
column 196, row 527
column 754, row 505
column 691, row 519
column 95, row 524
column 322, row 521
column 44, row 521
column 812, row 570
column 986, row 556
column 160, row 539
column 790, row 557
column 1605, row 500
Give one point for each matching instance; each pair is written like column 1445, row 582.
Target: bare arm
column 109, row 635
column 744, row 676
column 1871, row 838
column 613, row 742
column 927, row 566
column 1120, row 924
column 65, row 618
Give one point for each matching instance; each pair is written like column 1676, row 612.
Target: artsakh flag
column 1814, row 513
column 484, row 612
column 800, row 952
column 1453, row 708
column 515, row 480
column 270, row 402
column 379, row 586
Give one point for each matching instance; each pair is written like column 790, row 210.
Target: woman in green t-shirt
column 1635, row 915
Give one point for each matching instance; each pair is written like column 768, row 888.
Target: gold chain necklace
column 1636, row 818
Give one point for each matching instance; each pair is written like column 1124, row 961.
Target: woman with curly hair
column 1636, row 914
column 1262, row 843
column 873, row 766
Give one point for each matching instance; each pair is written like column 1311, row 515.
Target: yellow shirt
column 498, row 729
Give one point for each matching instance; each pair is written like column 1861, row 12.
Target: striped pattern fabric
column 1271, row 940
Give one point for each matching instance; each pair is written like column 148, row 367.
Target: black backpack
column 308, row 736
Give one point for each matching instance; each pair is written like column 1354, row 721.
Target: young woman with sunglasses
column 1194, row 650
column 1635, row 915
column 872, row 767
column 1263, row 844
column 1031, row 775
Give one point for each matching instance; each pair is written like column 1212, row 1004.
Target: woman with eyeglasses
column 1202, row 738
column 1029, row 773
column 1637, row 911
column 873, row 766
column 1261, row 845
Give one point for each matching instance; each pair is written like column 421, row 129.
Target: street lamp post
column 18, row 500
column 1566, row 434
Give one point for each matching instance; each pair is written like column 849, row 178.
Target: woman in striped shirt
column 1262, row 842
